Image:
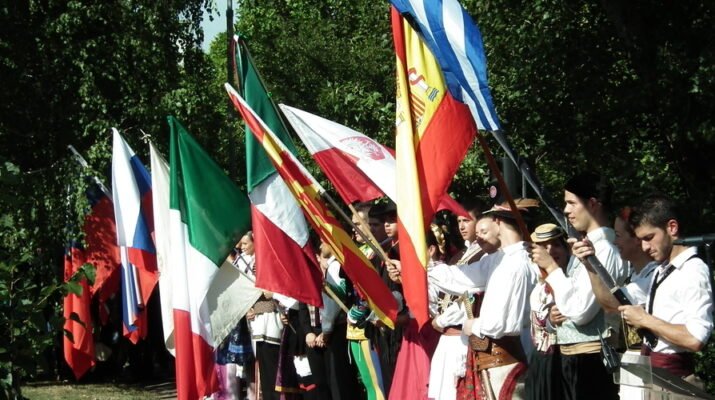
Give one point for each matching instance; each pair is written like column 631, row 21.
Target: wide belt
column 573, row 349
column 680, row 364
column 263, row 306
column 500, row 352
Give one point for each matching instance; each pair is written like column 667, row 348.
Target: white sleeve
column 696, row 297
column 457, row 279
column 573, row 295
column 637, row 291
column 287, row 302
column 611, row 259
column 328, row 314
column 504, row 309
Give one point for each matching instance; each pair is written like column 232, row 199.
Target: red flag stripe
column 264, row 234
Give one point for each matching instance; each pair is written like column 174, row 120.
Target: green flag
column 251, row 88
column 207, row 215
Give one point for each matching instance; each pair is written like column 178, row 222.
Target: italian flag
column 207, row 216
column 285, row 261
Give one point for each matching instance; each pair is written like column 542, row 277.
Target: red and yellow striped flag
column 433, row 133
column 306, row 192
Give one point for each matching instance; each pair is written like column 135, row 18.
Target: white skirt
column 449, row 363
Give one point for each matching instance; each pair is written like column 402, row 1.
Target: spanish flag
column 433, row 133
column 307, row 193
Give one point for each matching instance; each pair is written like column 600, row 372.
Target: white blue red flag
column 454, row 38
column 135, row 226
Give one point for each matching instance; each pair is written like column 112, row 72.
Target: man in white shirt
column 678, row 306
column 507, row 278
column 577, row 316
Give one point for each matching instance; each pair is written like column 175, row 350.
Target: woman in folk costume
column 450, row 357
column 234, row 357
column 412, row 370
column 543, row 379
column 292, row 346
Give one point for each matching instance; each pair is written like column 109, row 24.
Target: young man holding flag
column 577, row 317
column 678, row 296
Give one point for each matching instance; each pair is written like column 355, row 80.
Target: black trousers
column 267, row 355
column 317, row 382
column 584, row 377
column 543, row 378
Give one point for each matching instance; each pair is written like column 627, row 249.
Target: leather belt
column 500, row 352
column 452, row 331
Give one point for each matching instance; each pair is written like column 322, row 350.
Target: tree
column 71, row 70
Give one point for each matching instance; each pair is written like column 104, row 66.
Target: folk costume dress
column 449, row 360
column 543, row 378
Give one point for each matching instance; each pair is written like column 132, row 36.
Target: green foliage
column 23, row 297
column 625, row 88
column 71, row 70
column 611, row 86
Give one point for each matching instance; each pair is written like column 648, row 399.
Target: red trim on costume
column 507, row 389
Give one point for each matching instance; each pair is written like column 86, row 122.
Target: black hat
column 381, row 210
column 588, row 185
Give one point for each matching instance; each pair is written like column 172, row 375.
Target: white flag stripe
column 452, row 12
column 160, row 201
column 288, row 217
column 127, row 203
column 194, row 273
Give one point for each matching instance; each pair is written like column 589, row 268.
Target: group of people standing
column 515, row 313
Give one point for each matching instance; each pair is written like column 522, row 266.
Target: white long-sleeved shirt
column 573, row 293
column 458, row 279
column 507, row 277
column 684, row 298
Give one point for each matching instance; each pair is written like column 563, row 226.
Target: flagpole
column 319, row 188
column 547, row 200
column 81, row 161
column 335, row 298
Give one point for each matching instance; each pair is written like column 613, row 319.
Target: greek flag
column 457, row 44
